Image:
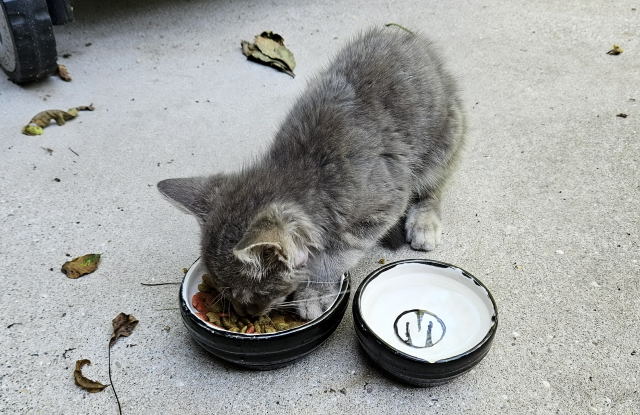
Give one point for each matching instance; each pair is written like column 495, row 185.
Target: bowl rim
column 375, row 273
column 345, row 288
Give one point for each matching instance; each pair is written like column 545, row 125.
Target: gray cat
column 368, row 146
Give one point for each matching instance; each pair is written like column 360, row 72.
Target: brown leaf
column 123, row 325
column 44, row 118
column 63, row 73
column 615, row 50
column 80, row 266
column 86, row 384
column 269, row 49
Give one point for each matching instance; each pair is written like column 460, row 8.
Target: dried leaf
column 272, row 45
column 615, row 50
column 269, row 49
column 123, row 325
column 80, row 266
column 44, row 118
column 381, row 261
column 253, row 53
column 86, row 384
column 63, row 73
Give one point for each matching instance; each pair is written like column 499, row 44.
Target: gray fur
column 372, row 140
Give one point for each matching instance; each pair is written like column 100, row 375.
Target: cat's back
column 383, row 84
column 385, row 54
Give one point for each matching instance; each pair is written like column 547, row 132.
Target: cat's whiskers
column 309, row 282
column 293, row 302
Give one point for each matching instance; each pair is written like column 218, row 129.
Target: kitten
column 370, row 144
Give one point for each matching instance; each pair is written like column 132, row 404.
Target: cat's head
column 255, row 252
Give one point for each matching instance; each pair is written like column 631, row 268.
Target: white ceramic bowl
column 424, row 321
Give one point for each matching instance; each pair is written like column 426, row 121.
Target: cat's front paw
column 311, row 302
column 423, row 229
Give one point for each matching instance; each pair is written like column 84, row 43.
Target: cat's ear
column 279, row 234
column 192, row 195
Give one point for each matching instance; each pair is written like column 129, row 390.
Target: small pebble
column 546, row 384
column 559, row 252
column 595, row 284
column 515, row 334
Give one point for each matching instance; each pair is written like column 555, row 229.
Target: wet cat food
column 218, row 312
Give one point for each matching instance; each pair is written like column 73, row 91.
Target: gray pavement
column 544, row 209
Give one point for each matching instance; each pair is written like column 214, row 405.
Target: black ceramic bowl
column 259, row 351
column 424, row 322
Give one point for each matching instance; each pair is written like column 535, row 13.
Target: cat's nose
column 245, row 310
column 254, row 309
column 239, row 308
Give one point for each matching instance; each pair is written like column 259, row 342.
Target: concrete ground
column 544, row 209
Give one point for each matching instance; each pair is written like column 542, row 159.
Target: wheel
column 27, row 45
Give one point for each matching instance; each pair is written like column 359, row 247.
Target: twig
column 153, row 284
column 70, row 149
column 166, row 309
column 67, row 351
column 111, row 381
column 400, row 26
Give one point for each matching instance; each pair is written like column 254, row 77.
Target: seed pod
column 226, row 323
column 209, row 281
column 281, row 326
column 243, row 329
column 264, row 320
column 214, row 318
column 294, row 324
column 277, row 319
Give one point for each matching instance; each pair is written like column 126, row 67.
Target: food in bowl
column 215, row 310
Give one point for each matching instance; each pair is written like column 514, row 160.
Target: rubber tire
column 34, row 44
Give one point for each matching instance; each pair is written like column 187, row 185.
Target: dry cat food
column 213, row 309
